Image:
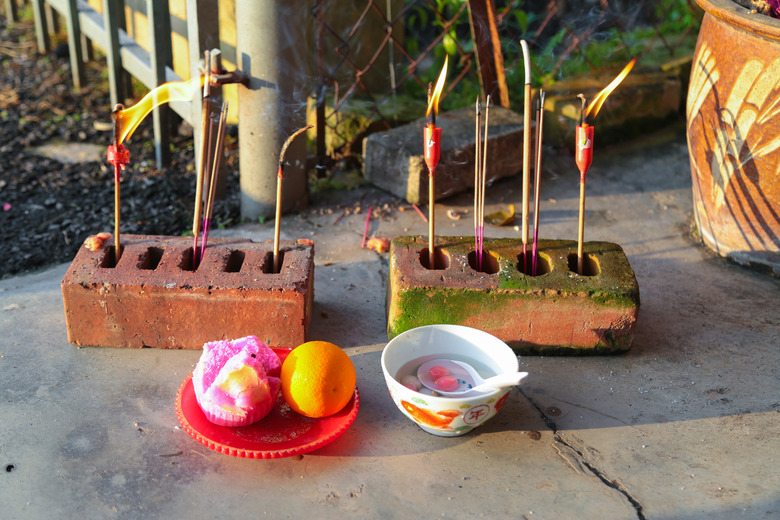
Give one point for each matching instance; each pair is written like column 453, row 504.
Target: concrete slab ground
column 683, row 426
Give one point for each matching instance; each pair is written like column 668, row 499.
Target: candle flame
column 433, row 103
column 595, row 105
column 128, row 119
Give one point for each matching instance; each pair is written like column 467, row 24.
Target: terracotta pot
column 734, row 133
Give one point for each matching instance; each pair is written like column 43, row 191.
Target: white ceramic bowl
column 447, row 416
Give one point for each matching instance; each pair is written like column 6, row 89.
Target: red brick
column 555, row 312
column 172, row 306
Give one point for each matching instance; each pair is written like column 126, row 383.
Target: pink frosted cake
column 236, row 382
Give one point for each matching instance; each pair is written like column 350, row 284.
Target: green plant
column 438, row 28
column 424, row 25
column 677, row 16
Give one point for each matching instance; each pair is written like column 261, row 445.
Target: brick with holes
column 555, row 312
column 154, row 298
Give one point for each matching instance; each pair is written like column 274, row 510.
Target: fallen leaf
column 378, row 244
column 501, row 217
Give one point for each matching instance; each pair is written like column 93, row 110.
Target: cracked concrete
column 683, row 426
column 581, row 459
column 584, row 459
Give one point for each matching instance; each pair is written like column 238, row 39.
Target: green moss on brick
column 460, row 295
column 424, row 306
column 612, row 299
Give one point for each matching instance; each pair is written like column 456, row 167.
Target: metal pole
column 269, row 39
column 321, row 80
column 116, row 74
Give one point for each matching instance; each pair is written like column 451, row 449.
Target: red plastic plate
column 282, row 433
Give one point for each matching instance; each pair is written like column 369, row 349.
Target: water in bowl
column 410, row 367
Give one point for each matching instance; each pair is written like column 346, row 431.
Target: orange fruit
column 318, row 379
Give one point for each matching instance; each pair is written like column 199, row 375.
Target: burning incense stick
column 119, row 156
column 279, row 182
column 130, row 118
column 526, row 149
column 584, row 158
column 584, row 150
column 213, row 179
column 538, row 179
column 432, row 153
column 125, row 123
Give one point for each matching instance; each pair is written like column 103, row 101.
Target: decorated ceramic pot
column 733, row 120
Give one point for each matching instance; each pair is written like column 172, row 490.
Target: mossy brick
column 557, row 312
column 393, row 159
column 153, row 298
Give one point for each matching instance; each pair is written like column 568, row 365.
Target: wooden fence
column 87, row 26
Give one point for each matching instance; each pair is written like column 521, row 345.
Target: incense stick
column 117, row 211
column 581, row 220
column 432, row 154
column 584, row 150
column 205, row 183
column 419, row 212
column 279, row 183
column 526, row 149
column 483, row 183
column 581, row 230
column 431, row 224
column 205, row 155
column 538, row 180
column 114, row 154
column 365, row 230
column 477, row 183
column 213, row 178
column 431, row 186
